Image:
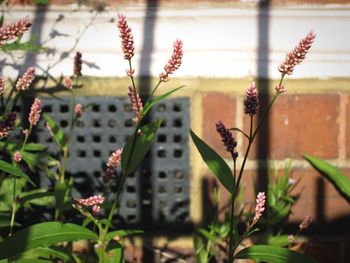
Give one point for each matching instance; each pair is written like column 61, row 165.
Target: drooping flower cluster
column 174, row 62
column 112, row 164
column 2, row 85
column 297, row 55
column 306, row 222
column 35, row 111
column 17, row 157
column 260, row 207
column 227, row 138
column 67, row 83
column 14, row 30
column 78, row 63
column 94, row 201
column 79, row 109
column 126, row 37
column 136, row 104
column 24, row 82
column 7, row 123
column 251, row 100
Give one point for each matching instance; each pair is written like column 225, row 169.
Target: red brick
column 316, row 195
column 217, row 107
column 298, row 124
column 348, row 127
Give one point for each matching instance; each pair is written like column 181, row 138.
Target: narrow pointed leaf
column 13, row 170
column 37, row 197
column 56, row 130
column 263, row 253
column 215, row 163
column 42, row 235
column 333, row 174
column 149, row 105
column 34, row 147
column 137, row 146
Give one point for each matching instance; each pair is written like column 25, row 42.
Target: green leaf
column 38, row 197
column 30, row 159
column 215, row 163
column 34, row 147
column 43, row 252
column 13, row 170
column 207, row 234
column 60, row 191
column 149, row 105
column 56, row 130
column 263, row 253
column 122, row 233
column 333, row 174
column 30, row 45
column 42, row 235
column 137, row 146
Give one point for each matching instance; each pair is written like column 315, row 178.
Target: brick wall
column 316, row 123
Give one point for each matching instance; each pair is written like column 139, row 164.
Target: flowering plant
column 107, row 240
column 231, row 180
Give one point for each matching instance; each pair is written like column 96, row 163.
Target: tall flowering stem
column 251, row 103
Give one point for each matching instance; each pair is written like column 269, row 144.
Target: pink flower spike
column 126, row 37
column 136, row 103
column 79, row 109
column 67, row 83
column 259, row 209
column 306, row 222
column 251, row 101
column 2, row 85
column 14, row 30
column 78, row 64
column 24, row 82
column 93, row 200
column 297, row 55
column 17, row 157
column 113, row 162
column 174, row 62
column 35, row 111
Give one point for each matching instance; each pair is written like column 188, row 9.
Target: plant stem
column 101, row 243
column 232, row 214
column 14, row 205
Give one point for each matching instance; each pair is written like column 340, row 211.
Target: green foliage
column 263, row 253
column 149, row 105
column 332, row 174
column 138, row 146
column 215, row 163
column 28, row 46
column 279, row 198
column 14, row 170
column 42, row 235
column 56, row 130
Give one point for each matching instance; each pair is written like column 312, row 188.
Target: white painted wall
column 218, row 42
